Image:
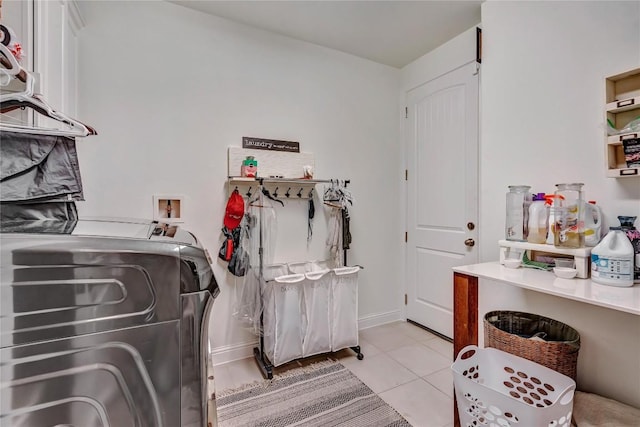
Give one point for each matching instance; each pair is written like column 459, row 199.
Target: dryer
column 103, row 323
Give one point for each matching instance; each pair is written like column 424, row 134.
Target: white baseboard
column 231, row 353
column 379, row 319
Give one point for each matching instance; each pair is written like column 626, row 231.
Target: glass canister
column 569, row 216
column 518, row 200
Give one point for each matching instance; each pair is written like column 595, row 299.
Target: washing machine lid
column 121, row 227
column 105, row 227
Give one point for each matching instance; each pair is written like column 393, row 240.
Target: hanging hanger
column 331, row 194
column 256, row 197
column 11, row 67
column 269, row 196
column 27, row 98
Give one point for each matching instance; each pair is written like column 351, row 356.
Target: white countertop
column 584, row 290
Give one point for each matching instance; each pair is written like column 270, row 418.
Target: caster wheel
column 360, row 356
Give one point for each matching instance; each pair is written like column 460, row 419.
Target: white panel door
column 442, row 136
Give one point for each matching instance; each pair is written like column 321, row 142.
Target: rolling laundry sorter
column 309, row 313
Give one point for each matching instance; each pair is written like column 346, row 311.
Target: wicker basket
column 511, row 331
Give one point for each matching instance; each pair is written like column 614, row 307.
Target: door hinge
column 479, row 45
column 406, row 112
column 406, row 299
column 406, row 236
column 406, row 174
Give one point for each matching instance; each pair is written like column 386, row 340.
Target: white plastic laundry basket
column 344, row 308
column 282, row 318
column 317, row 292
column 497, row 389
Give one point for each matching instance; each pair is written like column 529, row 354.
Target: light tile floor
column 408, row 367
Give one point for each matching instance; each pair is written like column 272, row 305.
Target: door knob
column 469, row 242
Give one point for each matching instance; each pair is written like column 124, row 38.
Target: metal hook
column 275, row 192
column 299, row 193
column 287, row 194
column 249, row 192
column 311, row 193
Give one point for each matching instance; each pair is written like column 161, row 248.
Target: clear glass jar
column 569, row 216
column 518, row 201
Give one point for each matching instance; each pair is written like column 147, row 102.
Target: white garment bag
column 317, row 292
column 282, row 315
column 344, row 308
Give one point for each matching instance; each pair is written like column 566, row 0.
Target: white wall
column 456, row 52
column 542, row 96
column 165, row 126
column 169, row 89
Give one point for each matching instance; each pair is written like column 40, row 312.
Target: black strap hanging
column 346, row 232
column 312, row 213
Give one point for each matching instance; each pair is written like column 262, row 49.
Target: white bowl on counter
column 512, row 263
column 565, row 272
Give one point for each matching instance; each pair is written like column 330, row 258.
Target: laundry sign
column 270, row 144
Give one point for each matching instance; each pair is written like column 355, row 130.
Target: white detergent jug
column 592, row 223
column 612, row 260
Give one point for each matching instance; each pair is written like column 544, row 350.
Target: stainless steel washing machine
column 103, row 323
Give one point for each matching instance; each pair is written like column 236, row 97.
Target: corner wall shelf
column 622, row 105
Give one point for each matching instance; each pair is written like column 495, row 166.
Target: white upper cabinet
column 57, row 23
column 48, row 30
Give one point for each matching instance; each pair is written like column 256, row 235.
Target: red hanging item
column 235, row 210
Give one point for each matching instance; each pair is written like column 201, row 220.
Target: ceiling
column 394, row 33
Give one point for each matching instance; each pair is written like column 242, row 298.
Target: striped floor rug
column 320, row 395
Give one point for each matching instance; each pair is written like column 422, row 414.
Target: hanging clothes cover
column 38, row 168
column 39, row 177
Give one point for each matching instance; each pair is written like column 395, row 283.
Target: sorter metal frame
column 265, row 365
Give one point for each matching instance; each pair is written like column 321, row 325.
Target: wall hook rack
column 246, row 186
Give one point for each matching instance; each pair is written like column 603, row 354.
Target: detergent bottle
column 612, row 260
column 592, row 223
column 538, row 217
column 626, row 223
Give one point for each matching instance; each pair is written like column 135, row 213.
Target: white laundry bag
column 282, row 318
column 317, row 332
column 344, row 308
